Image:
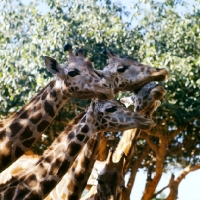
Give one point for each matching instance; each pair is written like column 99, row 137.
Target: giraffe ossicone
column 76, row 78
column 101, row 115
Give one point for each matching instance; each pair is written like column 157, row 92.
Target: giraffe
column 37, row 182
column 145, row 97
column 122, row 82
column 110, row 180
column 128, row 74
column 147, row 107
column 145, row 101
column 76, row 79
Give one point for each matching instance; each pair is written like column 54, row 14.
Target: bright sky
column 188, row 188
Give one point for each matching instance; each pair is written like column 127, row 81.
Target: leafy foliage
column 173, row 42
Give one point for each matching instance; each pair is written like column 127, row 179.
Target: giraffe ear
column 52, row 65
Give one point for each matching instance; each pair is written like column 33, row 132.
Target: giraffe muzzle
column 146, row 125
column 160, row 74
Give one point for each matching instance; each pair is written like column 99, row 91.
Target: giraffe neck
column 38, row 182
column 25, row 126
column 73, row 183
column 127, row 145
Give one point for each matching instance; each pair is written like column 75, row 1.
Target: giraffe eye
column 74, row 73
column 100, row 182
column 112, row 109
column 122, row 69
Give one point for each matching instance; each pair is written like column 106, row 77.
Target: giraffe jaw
column 108, row 94
column 146, row 126
column 95, row 94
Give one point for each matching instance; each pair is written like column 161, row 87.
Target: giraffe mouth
column 160, row 74
column 148, row 125
column 105, row 96
column 104, row 93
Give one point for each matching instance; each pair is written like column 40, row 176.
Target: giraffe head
column 112, row 116
column 110, row 179
column 146, row 99
column 128, row 74
column 79, row 77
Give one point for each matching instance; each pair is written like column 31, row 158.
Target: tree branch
column 135, row 167
column 160, row 157
column 144, row 136
column 176, row 132
column 173, row 185
column 186, row 171
column 157, row 193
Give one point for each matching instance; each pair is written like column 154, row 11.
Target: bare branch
column 144, row 136
column 173, row 185
column 176, row 132
column 186, row 171
column 135, row 167
column 157, row 193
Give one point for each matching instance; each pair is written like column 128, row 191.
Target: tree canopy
column 154, row 33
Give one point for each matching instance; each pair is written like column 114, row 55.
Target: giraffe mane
column 74, row 122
